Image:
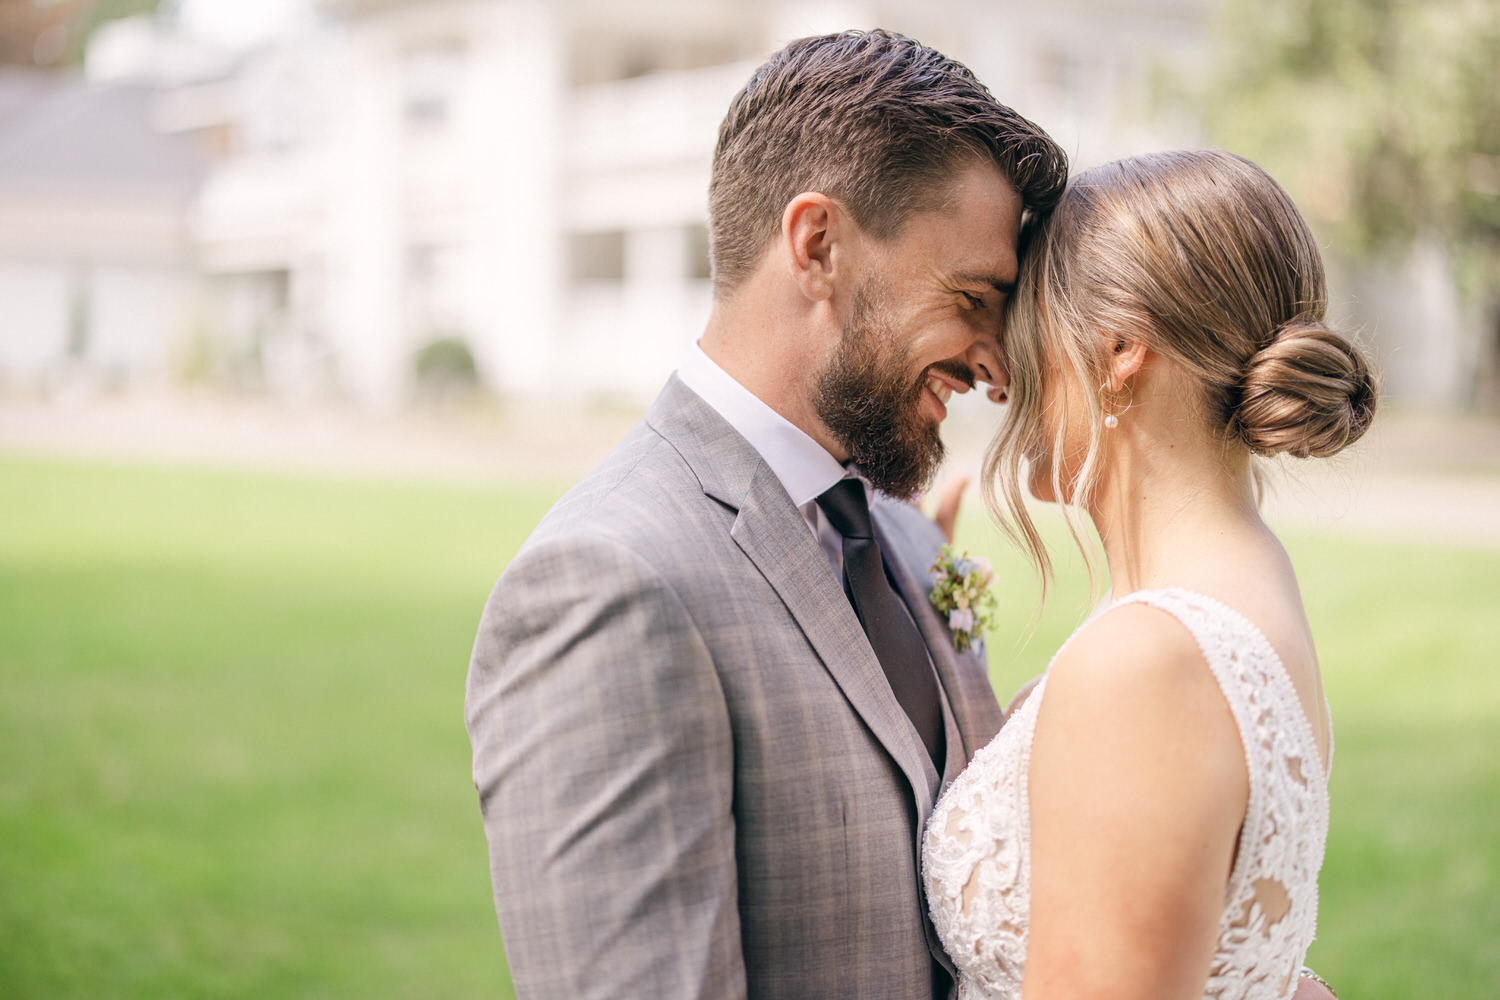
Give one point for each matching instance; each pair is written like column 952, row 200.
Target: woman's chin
column 1039, row 485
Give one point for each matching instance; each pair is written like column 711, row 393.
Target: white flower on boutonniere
column 960, row 591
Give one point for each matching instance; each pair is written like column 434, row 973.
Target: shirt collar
column 804, row 467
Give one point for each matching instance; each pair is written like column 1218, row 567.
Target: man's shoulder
column 639, row 522
column 641, row 496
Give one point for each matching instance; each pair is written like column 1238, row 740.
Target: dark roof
column 61, row 131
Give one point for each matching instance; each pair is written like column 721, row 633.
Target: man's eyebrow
column 1002, row 285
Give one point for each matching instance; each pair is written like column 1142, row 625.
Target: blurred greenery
column 1381, row 116
column 1382, row 120
column 235, row 763
column 444, row 372
column 230, row 716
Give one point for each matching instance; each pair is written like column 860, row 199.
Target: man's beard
column 867, row 399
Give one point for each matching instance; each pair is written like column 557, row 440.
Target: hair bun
column 1310, row 393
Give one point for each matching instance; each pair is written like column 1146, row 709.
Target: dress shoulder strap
column 1281, row 754
column 1243, row 661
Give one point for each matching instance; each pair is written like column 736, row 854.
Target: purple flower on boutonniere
column 960, row 592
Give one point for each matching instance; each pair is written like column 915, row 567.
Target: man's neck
column 779, row 370
column 804, row 467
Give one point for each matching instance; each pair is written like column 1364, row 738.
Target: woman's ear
column 810, row 227
column 1127, row 354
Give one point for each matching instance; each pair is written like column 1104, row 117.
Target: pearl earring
column 1112, row 420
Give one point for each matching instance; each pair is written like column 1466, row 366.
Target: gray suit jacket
column 694, row 777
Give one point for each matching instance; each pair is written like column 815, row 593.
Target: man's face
column 923, row 321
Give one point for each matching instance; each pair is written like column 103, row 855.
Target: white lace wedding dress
column 977, row 852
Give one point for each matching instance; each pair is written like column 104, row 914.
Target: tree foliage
column 1382, row 117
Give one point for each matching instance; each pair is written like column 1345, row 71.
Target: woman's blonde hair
column 1205, row 258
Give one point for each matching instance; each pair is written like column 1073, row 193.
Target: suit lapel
column 964, row 676
column 773, row 536
column 939, row 644
column 772, row 533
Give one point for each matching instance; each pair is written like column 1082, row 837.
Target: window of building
column 597, row 256
column 602, row 55
column 699, row 266
column 432, row 76
column 434, row 292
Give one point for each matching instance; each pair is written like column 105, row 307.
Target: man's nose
column 987, row 362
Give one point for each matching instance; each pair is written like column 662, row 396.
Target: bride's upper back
column 1244, row 567
column 1168, row 726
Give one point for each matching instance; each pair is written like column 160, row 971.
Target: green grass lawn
column 233, row 764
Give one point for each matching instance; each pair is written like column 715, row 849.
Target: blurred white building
column 96, row 261
column 531, row 175
column 527, row 178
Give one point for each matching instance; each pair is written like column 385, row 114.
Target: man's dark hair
column 875, row 120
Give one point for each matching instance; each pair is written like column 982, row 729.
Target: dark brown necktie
column 897, row 643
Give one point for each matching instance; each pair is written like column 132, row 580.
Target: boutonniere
column 960, row 590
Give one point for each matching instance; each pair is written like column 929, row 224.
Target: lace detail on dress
column 976, row 854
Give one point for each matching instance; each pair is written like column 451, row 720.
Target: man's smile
column 943, row 382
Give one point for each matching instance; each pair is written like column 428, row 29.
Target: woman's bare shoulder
column 1130, row 647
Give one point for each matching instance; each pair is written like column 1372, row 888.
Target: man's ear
column 810, row 227
column 1127, row 353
